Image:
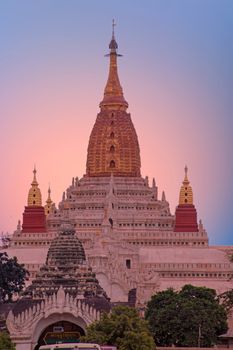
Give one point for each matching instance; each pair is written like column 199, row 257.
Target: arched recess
column 112, row 164
column 54, row 318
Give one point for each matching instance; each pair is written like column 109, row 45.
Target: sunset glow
column 177, row 77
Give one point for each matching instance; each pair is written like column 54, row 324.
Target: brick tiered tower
column 113, row 145
column 34, row 219
column 66, row 266
column 186, row 214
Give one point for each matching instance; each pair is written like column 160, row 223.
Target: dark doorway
column 60, row 332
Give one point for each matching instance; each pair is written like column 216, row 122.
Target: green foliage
column 123, row 328
column 226, row 300
column 12, row 277
column 5, row 342
column 190, row 317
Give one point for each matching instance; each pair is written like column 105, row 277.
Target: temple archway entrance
column 61, row 331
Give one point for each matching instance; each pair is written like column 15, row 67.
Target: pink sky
column 175, row 81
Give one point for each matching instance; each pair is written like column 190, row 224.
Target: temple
column 123, row 244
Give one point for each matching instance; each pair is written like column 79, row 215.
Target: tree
column 5, row 240
column 123, row 328
column 226, row 299
column 5, row 342
column 12, row 277
column 191, row 317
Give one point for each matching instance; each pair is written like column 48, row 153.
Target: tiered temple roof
column 66, row 266
column 113, row 145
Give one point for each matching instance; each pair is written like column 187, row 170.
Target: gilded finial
column 113, row 31
column 34, row 175
column 34, row 181
column 113, row 44
column 113, row 93
column 49, row 192
column 186, row 181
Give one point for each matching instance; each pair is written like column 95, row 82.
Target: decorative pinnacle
column 49, row 200
column 186, row 181
column 113, row 93
column 34, row 194
column 113, row 25
column 113, row 44
column 186, row 192
column 34, row 182
column 163, row 196
column 34, row 172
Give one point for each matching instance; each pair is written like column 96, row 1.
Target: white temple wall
column 114, row 290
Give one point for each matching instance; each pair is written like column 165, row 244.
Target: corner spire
column 34, row 194
column 186, row 192
column 49, row 203
column 186, row 214
column 113, row 93
column 163, row 197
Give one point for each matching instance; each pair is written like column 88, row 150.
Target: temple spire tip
column 113, row 30
column 34, row 181
column 186, row 174
column 113, row 93
column 113, row 44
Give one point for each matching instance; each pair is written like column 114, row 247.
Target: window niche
column 128, row 263
column 112, row 164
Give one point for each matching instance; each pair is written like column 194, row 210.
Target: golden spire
column 49, row 203
column 113, row 93
column 113, row 145
column 186, row 175
column 186, row 192
column 34, row 194
column 34, row 182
